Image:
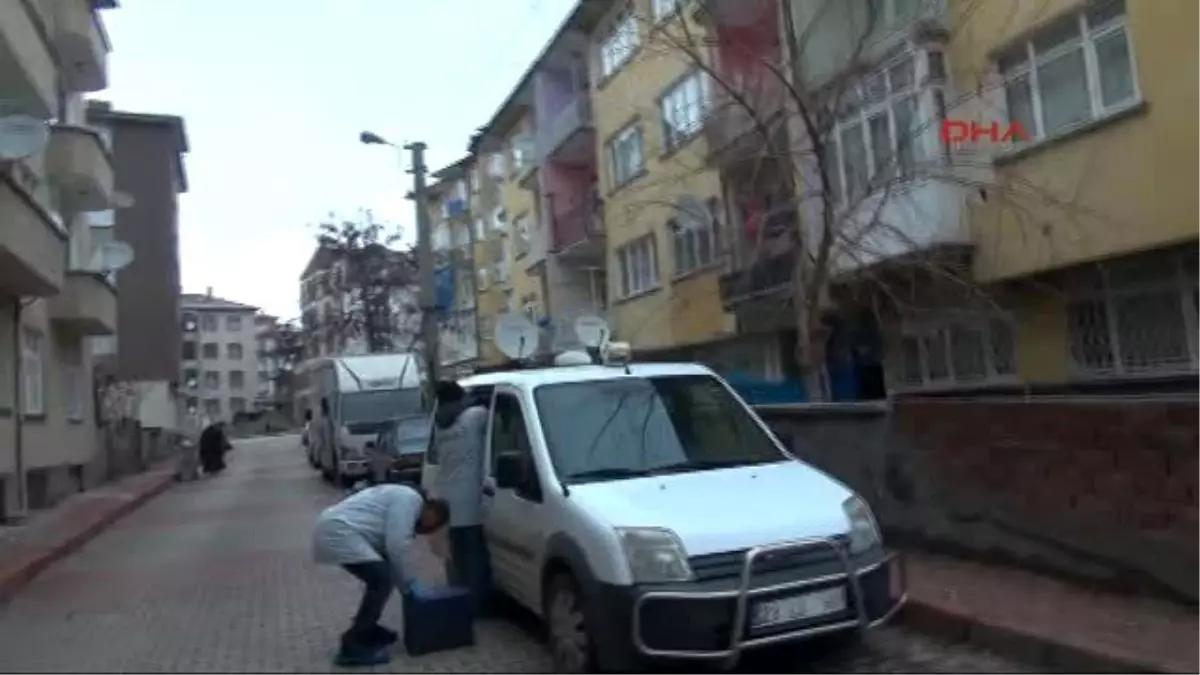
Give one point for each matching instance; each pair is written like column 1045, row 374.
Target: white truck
column 364, row 395
column 645, row 512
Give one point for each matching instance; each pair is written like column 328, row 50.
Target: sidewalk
column 1062, row 626
column 26, row 550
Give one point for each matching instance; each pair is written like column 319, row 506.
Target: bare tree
column 825, row 214
column 371, row 284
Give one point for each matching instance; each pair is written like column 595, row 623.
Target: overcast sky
column 275, row 93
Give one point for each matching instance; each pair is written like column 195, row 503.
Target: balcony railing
column 769, row 275
column 743, row 105
column 580, row 224
column 575, row 116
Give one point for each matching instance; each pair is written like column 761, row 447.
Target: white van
column 645, row 512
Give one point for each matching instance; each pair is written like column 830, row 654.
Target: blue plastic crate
column 437, row 619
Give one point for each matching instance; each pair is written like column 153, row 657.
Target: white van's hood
column 355, row 442
column 725, row 509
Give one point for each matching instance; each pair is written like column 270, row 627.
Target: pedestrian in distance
column 371, row 534
column 460, row 430
column 213, row 446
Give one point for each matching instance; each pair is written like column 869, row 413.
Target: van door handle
column 489, row 490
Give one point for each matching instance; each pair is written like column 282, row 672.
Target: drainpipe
column 19, row 412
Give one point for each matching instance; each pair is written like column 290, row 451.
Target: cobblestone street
column 216, row 576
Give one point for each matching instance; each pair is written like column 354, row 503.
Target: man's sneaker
column 363, row 658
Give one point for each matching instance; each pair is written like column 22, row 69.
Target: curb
column 19, row 578
column 1004, row 640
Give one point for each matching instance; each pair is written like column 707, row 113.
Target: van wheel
column 566, row 628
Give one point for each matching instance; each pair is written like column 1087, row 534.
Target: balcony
column 27, row 71
column 768, row 276
column 81, row 166
column 754, row 102
column 33, row 244
column 568, row 134
column 86, row 305
column 82, row 46
column 457, row 210
column 578, row 234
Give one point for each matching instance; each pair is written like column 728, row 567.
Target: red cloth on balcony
column 752, row 215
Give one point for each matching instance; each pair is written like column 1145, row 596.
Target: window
column 521, row 229
column 480, row 229
column 237, row 405
column 633, row 426
column 189, row 322
column 441, row 237
column 696, row 239
column 621, row 42
column 208, row 322
column 510, row 436
column 664, row 8
column 1134, row 317
column 499, row 219
column 878, row 134
column 625, row 155
column 211, row 350
column 683, row 108
column 233, row 322
column 497, row 165
column 959, row 351
column 638, row 261
column 212, row 407
column 483, row 278
column 522, row 151
column 233, row 351
column 237, row 379
column 1077, row 69
column 74, row 387
column 191, row 378
column 33, row 388
column 212, row 379
column 189, row 351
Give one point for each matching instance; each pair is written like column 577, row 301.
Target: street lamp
column 429, row 333
column 371, row 138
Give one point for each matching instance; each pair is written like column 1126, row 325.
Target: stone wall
column 1099, row 488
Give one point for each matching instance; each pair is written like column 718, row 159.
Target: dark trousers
column 377, row 590
column 469, row 566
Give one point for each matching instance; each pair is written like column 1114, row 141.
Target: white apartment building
column 53, row 297
column 220, row 356
column 328, row 311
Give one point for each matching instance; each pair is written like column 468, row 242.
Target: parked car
column 644, row 512
column 399, row 449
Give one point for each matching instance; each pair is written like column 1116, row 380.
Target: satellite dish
column 591, row 330
column 22, row 136
column 573, row 358
column 515, row 336
column 122, row 200
column 112, row 256
column 693, row 213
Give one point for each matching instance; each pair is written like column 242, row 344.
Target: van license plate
column 798, row 608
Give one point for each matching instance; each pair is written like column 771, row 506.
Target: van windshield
column 372, row 407
column 632, row 427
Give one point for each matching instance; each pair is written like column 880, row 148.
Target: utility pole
column 428, row 296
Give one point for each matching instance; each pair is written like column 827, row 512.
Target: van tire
column 567, row 636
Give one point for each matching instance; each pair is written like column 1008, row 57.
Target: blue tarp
column 444, row 285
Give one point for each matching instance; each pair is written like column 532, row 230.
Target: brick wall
column 1098, row 488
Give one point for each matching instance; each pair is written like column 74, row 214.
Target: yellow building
column 450, row 206
column 1068, row 255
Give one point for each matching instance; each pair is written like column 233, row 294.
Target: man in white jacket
column 371, row 534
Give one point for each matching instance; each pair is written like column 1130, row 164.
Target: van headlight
column 655, row 555
column 864, row 533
